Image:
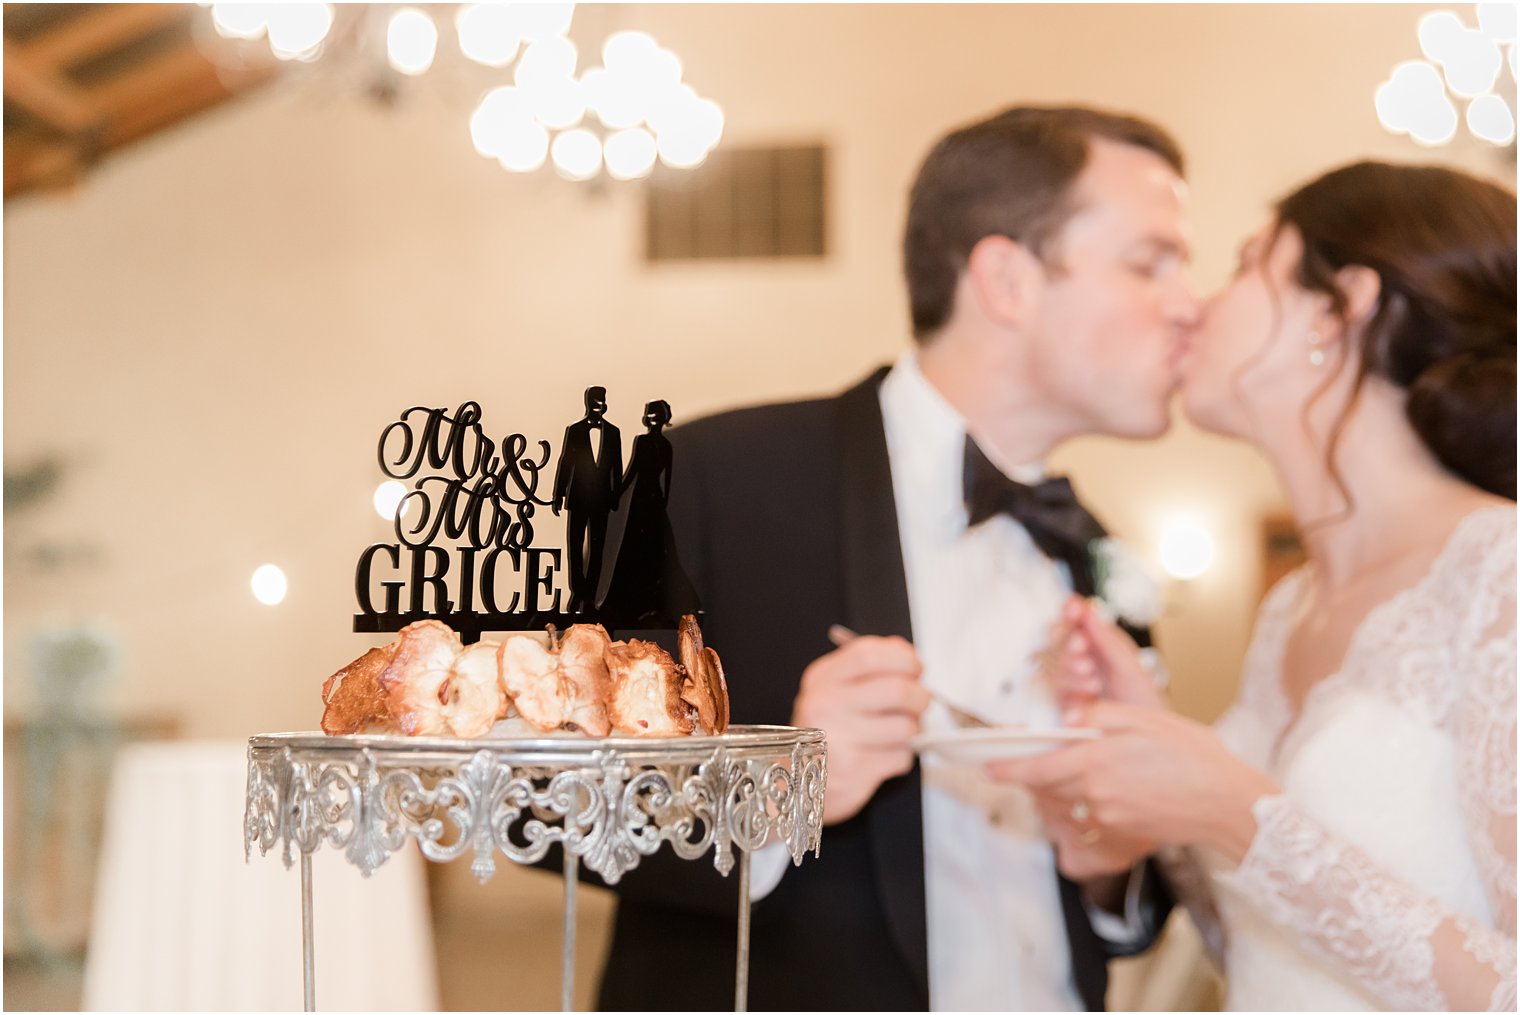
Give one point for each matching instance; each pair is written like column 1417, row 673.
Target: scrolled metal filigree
column 609, row 802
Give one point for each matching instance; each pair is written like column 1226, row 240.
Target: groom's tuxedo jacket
column 589, row 477
column 785, row 520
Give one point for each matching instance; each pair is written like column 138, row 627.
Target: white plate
column 989, row 743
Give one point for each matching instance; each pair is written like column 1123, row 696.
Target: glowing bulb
column 1497, row 21
column 628, row 51
column 671, row 107
column 488, row 34
column 577, row 154
column 613, row 98
column 630, row 154
column 1413, row 101
column 1489, row 118
column 269, row 585
column 525, row 146
column 1476, row 67
column 296, row 30
column 557, row 102
column 411, row 40
column 388, row 496
column 494, row 118
column 642, row 71
column 678, row 150
column 707, row 123
column 1440, row 35
column 662, row 69
column 540, row 21
column 239, row 21
column 545, row 60
column 1187, row 548
column 688, row 133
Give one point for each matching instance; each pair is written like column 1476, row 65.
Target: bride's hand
column 1096, row 660
column 1153, row 776
column 1083, row 852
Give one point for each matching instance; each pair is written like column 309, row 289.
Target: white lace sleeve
column 1402, row 944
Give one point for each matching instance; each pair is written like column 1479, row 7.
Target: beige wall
column 214, row 328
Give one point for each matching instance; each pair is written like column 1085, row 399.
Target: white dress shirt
column 981, row 601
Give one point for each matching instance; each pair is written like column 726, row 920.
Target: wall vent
column 740, row 203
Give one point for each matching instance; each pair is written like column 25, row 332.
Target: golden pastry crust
column 353, row 699
column 646, row 692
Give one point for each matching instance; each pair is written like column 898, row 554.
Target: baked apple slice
column 562, row 685
column 416, row 681
column 646, row 692
column 703, row 687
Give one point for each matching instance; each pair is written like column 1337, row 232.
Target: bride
column 1345, row 835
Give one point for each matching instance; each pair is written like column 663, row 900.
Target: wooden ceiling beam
column 99, row 32
column 47, row 96
column 135, row 101
column 159, row 78
column 190, row 97
column 145, row 98
column 40, row 166
column 32, row 165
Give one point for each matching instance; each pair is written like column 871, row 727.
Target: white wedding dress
column 1387, row 866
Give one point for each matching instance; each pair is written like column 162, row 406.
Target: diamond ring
column 1080, row 812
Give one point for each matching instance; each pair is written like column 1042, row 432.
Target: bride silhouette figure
column 646, row 582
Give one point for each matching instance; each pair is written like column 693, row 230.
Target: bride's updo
column 1443, row 244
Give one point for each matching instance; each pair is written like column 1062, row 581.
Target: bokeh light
column 411, row 41
column 296, row 31
column 630, row 154
column 1413, row 101
column 269, row 585
column 1187, row 547
column 388, row 495
column 577, row 154
column 488, row 33
column 1490, row 120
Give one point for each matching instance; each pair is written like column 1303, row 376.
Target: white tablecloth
column 182, row 923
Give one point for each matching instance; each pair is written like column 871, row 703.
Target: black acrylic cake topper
column 620, row 567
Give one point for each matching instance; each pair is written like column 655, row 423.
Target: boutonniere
column 1127, row 588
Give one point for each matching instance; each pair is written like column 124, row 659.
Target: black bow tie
column 1048, row 510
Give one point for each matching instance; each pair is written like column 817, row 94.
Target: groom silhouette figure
column 586, row 487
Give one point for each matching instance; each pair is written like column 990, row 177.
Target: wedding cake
column 426, row 683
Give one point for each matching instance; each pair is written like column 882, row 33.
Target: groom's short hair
column 1008, row 175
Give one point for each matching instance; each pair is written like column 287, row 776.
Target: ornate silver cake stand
column 608, row 802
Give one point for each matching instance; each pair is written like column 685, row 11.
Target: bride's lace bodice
column 1384, row 875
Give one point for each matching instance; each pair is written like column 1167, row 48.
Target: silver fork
column 841, row 636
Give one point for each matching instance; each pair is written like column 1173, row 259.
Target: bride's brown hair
column 1443, row 246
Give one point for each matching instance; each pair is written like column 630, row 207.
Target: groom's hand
column 867, row 699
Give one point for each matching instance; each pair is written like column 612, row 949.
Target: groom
column 586, row 487
column 1044, row 256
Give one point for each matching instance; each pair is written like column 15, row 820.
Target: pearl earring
column 1316, row 351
